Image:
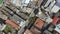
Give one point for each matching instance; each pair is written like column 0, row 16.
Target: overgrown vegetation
column 11, row 30
column 27, row 14
column 32, row 19
column 1, row 1
column 7, row 30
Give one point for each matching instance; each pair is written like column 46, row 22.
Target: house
column 35, row 30
column 39, row 23
column 49, row 4
column 16, row 19
column 8, row 1
column 51, row 27
column 12, row 24
column 3, row 16
column 32, row 31
column 41, row 15
column 54, row 32
column 4, row 11
column 47, row 32
column 19, row 21
column 55, row 20
column 25, row 2
column 26, row 9
column 56, row 8
column 57, row 29
column 28, row 32
column 23, row 16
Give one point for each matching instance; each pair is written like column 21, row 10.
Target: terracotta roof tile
column 39, row 23
column 55, row 20
column 27, row 31
column 12, row 24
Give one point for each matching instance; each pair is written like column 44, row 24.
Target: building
column 32, row 30
column 16, row 19
column 39, row 23
column 8, row 1
column 12, row 24
column 35, row 30
column 28, row 32
column 3, row 16
column 55, row 20
column 47, row 32
column 41, row 15
column 19, row 21
column 22, row 15
column 57, row 28
column 51, row 27
column 56, row 8
column 26, row 9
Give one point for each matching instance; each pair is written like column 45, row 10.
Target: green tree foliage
column 1, row 1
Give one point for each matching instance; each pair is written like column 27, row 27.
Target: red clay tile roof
column 39, row 23
column 27, row 31
column 31, row 31
column 55, row 20
column 35, row 31
column 12, row 24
